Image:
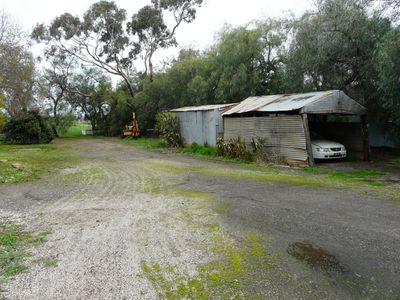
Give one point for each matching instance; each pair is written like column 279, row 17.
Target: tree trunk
column 93, row 124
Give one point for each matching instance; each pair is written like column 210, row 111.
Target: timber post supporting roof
column 327, row 102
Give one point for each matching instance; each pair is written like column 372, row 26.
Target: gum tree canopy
column 103, row 38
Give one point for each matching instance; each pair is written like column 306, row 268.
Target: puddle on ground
column 314, row 256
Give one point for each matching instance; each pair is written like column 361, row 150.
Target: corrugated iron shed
column 202, row 124
column 326, row 102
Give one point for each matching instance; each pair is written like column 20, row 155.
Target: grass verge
column 14, row 246
column 198, row 149
column 364, row 181
column 32, row 161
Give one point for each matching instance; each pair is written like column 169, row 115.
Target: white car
column 324, row 149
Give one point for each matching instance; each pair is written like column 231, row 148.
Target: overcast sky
column 209, row 20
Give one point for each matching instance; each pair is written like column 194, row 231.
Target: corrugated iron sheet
column 334, row 101
column 284, row 134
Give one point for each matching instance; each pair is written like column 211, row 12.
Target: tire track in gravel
column 102, row 232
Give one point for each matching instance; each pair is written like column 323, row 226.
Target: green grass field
column 34, row 160
column 76, row 129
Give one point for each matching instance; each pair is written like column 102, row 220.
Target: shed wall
column 200, row 126
column 284, row 134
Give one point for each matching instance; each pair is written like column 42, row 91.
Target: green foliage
column 120, row 113
column 396, row 162
column 168, row 129
column 199, row 149
column 31, row 128
column 63, row 123
column 91, row 95
column 341, row 45
column 388, row 65
column 234, row 148
column 258, row 145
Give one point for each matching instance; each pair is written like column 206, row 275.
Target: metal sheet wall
column 199, row 126
column 284, row 134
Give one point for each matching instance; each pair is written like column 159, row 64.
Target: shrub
column 64, row 122
column 220, row 147
column 3, row 122
column 168, row 129
column 258, row 144
column 234, row 148
column 32, row 128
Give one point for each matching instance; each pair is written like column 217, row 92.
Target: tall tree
column 152, row 31
column 246, row 61
column 333, row 48
column 54, row 82
column 388, row 66
column 17, row 67
column 89, row 93
column 101, row 38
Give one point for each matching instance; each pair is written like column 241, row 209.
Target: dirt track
column 111, row 213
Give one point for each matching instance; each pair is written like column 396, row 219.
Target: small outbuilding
column 201, row 124
column 286, row 121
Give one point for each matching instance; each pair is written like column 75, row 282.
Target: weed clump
column 14, row 242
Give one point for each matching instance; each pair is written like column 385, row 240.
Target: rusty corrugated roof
column 203, row 107
column 337, row 100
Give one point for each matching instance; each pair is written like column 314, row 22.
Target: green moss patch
column 363, row 180
column 84, row 176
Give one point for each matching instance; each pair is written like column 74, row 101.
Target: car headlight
column 326, row 149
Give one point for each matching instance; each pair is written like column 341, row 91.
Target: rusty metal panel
column 243, row 127
column 204, row 107
column 334, row 101
column 284, row 134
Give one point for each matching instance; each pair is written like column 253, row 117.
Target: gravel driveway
column 122, row 206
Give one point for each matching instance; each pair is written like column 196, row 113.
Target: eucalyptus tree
column 104, row 39
column 89, row 92
column 17, row 67
column 152, row 31
column 54, row 82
